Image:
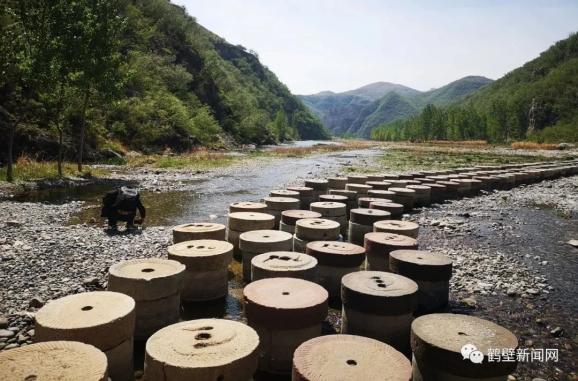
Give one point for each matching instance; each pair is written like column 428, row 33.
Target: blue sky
column 338, row 45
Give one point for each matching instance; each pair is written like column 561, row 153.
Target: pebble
column 573, row 242
column 557, row 332
column 3, row 322
column 6, row 333
column 36, row 302
column 470, row 302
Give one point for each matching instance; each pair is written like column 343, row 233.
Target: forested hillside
column 357, row 112
column 538, row 101
column 137, row 75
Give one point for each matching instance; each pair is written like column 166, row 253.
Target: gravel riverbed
column 512, row 263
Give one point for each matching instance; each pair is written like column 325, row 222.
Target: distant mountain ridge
column 356, row 112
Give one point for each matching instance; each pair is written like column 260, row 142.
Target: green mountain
column 357, row 112
column 182, row 87
column 538, row 101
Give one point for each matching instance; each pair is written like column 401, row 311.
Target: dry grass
column 534, row 146
column 200, row 159
column 27, row 169
column 344, row 145
column 469, row 143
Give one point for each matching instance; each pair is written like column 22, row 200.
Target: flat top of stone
column 316, row 181
column 273, row 199
column 200, row 248
column 284, row 261
column 251, row 216
column 317, row 223
column 199, row 227
column 53, row 361
column 358, row 186
column 249, row 205
column 381, row 191
column 265, row 236
column 334, row 197
column 296, row 188
column 285, row 192
column 396, row 225
column 146, row 268
column 285, row 293
column 370, row 212
column 329, row 204
column 337, row 178
column 419, row 187
column 390, row 204
column 369, row 199
column 336, row 248
column 85, row 310
column 450, row 332
column 298, row 213
column 379, row 284
column 390, row 239
column 203, row 343
column 421, row 257
column 348, row 357
column 402, row 190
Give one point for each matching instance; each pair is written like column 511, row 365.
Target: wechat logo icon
column 470, row 352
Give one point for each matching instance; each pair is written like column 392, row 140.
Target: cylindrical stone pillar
column 336, row 182
column 335, row 211
column 431, row 272
column 285, row 312
column 284, row 264
column 199, row 230
column 359, row 189
column 54, row 360
column 382, row 194
column 379, row 305
column 248, row 206
column 155, row 285
column 202, row 350
column 284, row 193
column 407, row 228
column 379, row 245
column 319, row 186
column 335, row 260
column 422, row 195
column 348, row 357
column 375, row 178
column 357, row 179
column 363, row 202
column 275, row 205
column 451, row 189
column 314, row 229
column 241, row 222
column 206, row 263
column 290, row 217
column 257, row 242
column 394, row 208
column 305, row 195
column 404, row 196
column 379, row 185
column 361, row 222
column 455, row 348
column 103, row 319
column 437, row 192
column 351, row 197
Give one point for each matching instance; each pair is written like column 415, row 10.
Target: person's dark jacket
column 112, row 206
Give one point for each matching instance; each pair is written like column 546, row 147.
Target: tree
column 92, row 39
column 17, row 53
